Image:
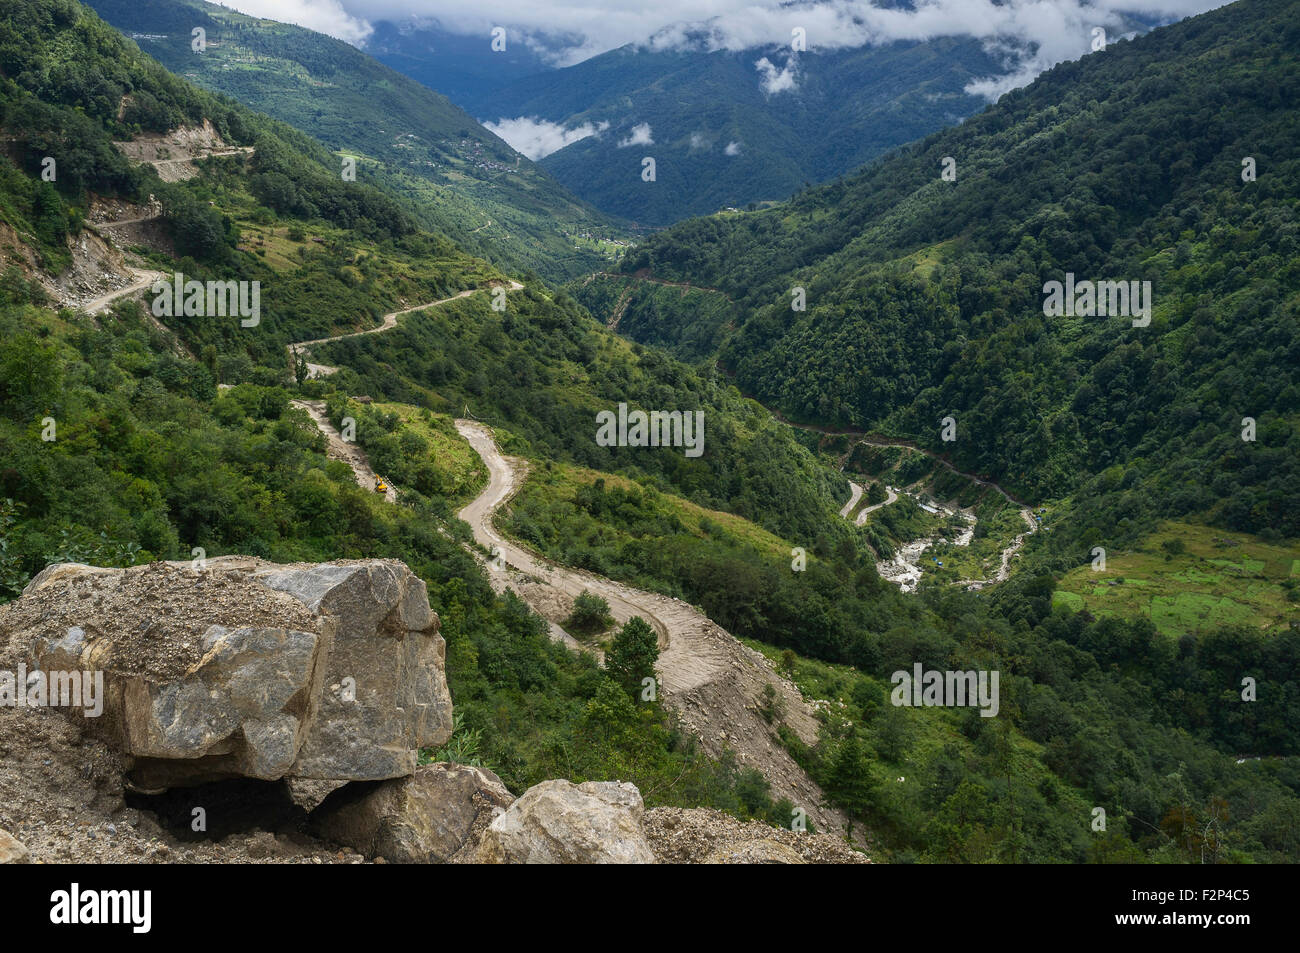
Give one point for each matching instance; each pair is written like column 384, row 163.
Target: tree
column 850, row 783
column 894, row 733
column 632, row 656
column 197, row 229
column 590, row 615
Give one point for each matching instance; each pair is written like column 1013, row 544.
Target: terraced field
column 1188, row 579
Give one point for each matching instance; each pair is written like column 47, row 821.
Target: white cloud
column 537, row 138
column 640, row 136
column 323, row 16
column 733, row 149
column 699, row 141
column 1054, row 30
column 778, row 80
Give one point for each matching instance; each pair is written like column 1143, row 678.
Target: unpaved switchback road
column 142, row 280
column 389, row 322
column 712, row 681
column 340, row 449
column 855, row 494
column 891, row 496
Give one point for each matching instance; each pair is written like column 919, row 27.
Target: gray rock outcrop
column 558, row 822
column 427, row 818
column 241, row 668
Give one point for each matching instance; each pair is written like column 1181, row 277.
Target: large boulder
column 236, row 667
column 558, row 822
column 426, row 818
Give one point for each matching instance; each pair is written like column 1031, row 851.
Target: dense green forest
column 150, row 458
column 924, row 296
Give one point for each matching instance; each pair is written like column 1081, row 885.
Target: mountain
column 457, row 177
column 926, row 297
column 459, row 66
column 723, row 133
column 131, row 437
column 131, row 434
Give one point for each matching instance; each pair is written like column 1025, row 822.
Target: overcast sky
column 1060, row 29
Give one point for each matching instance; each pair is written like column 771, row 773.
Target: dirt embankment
column 173, row 154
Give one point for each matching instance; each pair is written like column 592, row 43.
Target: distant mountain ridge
column 458, row 65
column 730, row 128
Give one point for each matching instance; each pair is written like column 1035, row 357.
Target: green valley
column 722, row 630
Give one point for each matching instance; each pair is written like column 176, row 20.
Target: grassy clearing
column 462, row 471
column 550, row 482
column 1189, row 579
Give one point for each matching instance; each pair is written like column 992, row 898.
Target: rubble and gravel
column 696, row 835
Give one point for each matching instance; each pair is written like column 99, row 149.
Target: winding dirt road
column 712, row 681
column 340, row 449
column 387, row 324
column 855, row 494
column 345, row 450
column 142, row 279
column 891, row 496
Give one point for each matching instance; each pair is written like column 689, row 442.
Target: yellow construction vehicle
column 380, row 485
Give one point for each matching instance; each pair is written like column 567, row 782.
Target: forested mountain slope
column 150, row 457
column 925, row 297
column 723, row 135
column 453, row 175
column 128, row 436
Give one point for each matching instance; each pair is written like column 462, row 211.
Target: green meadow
column 1189, row 579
